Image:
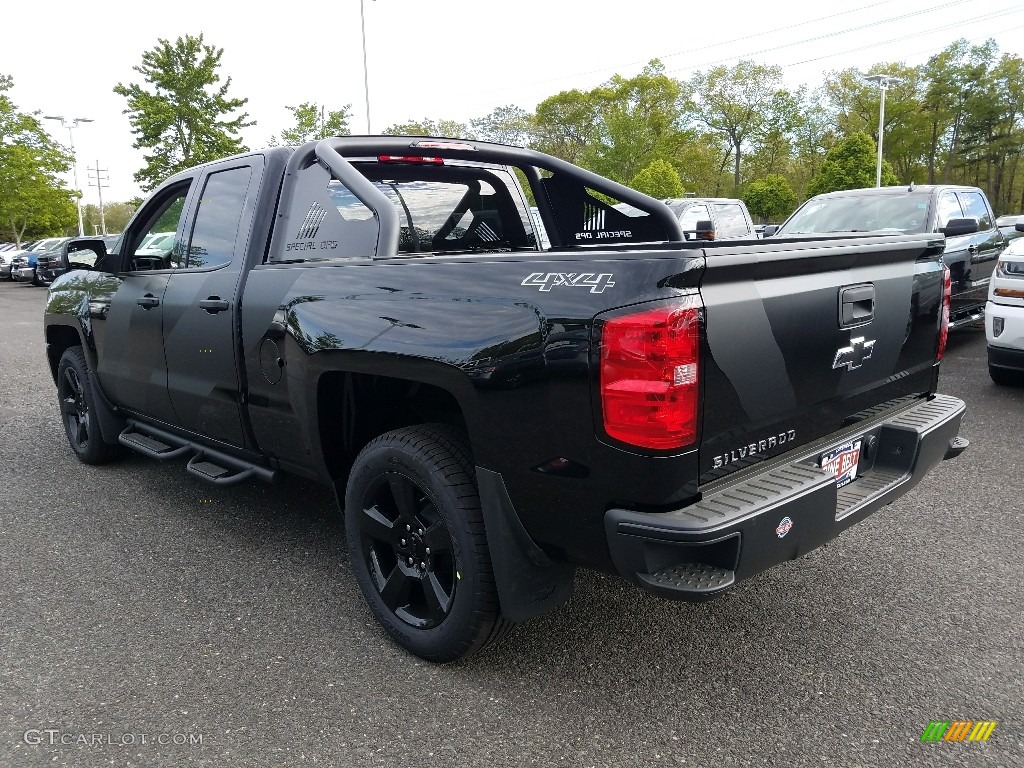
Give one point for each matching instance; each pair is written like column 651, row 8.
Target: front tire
column 78, row 410
column 417, row 543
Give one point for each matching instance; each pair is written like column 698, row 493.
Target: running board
column 974, row 317
column 211, row 465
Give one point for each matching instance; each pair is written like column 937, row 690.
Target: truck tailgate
column 802, row 343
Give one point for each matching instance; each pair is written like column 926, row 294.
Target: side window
column 949, row 208
column 731, row 222
column 153, row 246
column 689, row 218
column 976, row 208
column 218, row 217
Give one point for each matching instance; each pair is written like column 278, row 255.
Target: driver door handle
column 972, row 249
column 214, row 304
column 148, row 301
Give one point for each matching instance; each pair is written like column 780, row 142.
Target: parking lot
column 148, row 618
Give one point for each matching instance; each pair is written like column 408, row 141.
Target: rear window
column 731, row 221
column 440, row 209
column 443, row 216
column 906, row 212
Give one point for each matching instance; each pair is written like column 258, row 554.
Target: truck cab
column 963, row 214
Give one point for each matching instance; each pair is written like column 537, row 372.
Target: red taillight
column 947, row 292
column 649, row 376
column 410, row 159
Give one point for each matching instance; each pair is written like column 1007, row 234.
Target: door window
column 153, row 246
column 217, row 219
column 949, row 208
column 976, row 208
column 689, row 218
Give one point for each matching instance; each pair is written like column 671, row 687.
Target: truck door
column 200, row 333
column 985, row 245
column 126, row 310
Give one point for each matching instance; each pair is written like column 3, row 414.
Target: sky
column 444, row 59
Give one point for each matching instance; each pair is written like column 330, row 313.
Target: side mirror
column 705, row 230
column 956, row 227
column 769, row 230
column 1019, row 226
column 82, row 254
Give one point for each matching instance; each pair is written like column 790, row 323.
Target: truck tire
column 417, row 543
column 78, row 410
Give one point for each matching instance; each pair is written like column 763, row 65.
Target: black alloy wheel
column 75, row 410
column 408, row 550
column 78, row 410
column 417, row 543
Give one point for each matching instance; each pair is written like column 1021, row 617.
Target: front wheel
column 417, row 543
column 78, row 410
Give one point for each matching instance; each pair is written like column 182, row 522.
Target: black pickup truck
column 962, row 214
column 376, row 313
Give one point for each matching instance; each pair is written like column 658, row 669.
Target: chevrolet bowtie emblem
column 854, row 355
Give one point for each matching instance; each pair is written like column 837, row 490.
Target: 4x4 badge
column 854, row 355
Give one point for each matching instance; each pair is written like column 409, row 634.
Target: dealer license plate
column 842, row 462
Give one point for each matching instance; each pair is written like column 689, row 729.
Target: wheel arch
column 60, row 338
column 354, row 407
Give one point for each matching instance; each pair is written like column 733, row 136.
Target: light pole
column 366, row 72
column 71, row 124
column 883, row 82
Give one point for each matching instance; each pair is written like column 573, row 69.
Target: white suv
column 1004, row 316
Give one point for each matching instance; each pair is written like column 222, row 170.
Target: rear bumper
column 744, row 526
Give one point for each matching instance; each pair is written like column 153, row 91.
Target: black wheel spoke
column 436, row 537
column 82, row 432
column 377, row 527
column 395, row 590
column 69, row 405
column 403, row 492
column 438, row 600
column 73, row 382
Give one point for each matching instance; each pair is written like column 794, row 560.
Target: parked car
column 24, row 268
column 1007, row 225
column 962, row 214
column 729, row 217
column 705, row 218
column 1004, row 315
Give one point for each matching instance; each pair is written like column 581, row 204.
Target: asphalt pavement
column 150, row 619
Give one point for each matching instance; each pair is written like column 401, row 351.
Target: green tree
column 855, row 106
column 505, row 125
column 733, row 104
column 313, row 123
column 182, row 115
column 638, row 121
column 770, row 198
column 564, row 125
column 956, row 79
column 116, row 216
column 851, row 164
column 426, row 127
column 33, row 199
column 659, row 179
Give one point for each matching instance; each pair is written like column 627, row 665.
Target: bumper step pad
column 695, row 578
